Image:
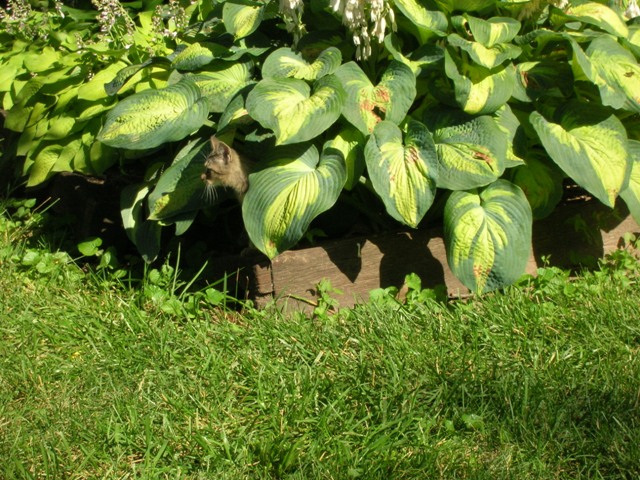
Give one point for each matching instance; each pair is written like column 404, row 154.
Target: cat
column 225, row 167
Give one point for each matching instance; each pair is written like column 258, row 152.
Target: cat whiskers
column 210, row 194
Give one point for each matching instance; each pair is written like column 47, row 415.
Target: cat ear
column 220, row 148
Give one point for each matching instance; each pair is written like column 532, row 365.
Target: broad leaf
column 145, row 234
column 471, row 150
column 542, row 79
column 598, row 15
column 590, row 145
column 488, row 235
column 366, row 104
column 350, row 141
column 284, row 63
column 488, row 57
column 180, row 188
column 95, row 89
column 494, row 31
column 242, row 17
column 403, row 170
column 613, row 69
column 193, row 57
column 427, row 24
column 631, row 194
column 289, row 108
column 541, row 182
column 153, row 117
column 284, row 198
column 479, row 90
column 221, row 81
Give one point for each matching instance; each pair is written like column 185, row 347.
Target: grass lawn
column 103, row 380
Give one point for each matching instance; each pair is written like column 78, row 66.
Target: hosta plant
column 487, row 105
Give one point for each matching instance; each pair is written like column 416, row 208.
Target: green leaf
column 598, row 15
column 541, row 182
column 127, row 73
column 403, row 171
column 494, row 31
column 221, row 82
column 152, row 117
column 193, row 57
column 488, row 57
column 542, row 79
column 242, row 18
column 90, row 246
column 284, row 63
column 95, row 89
column 284, row 198
column 471, row 150
column 631, row 194
column 613, row 69
column 289, row 108
column 180, row 189
column 427, row 24
column 479, row 90
column 350, row 141
column 488, row 235
column 144, row 234
column 590, row 145
column 366, row 104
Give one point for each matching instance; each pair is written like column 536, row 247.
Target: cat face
column 218, row 164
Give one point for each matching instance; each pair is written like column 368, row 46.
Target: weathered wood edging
column 575, row 232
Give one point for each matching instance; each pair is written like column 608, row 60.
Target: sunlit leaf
column 292, row 110
column 488, row 57
column 366, row 104
column 284, row 198
column 493, row 31
column 426, row 23
column 242, row 17
column 221, row 81
column 403, row 170
column 471, row 150
column 590, row 144
column 541, row 181
column 479, row 90
column 284, row 62
column 598, row 15
column 631, row 194
column 488, row 235
column 153, row 117
column 613, row 69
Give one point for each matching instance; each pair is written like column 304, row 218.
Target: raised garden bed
column 578, row 233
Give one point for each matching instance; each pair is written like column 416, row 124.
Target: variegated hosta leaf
column 289, row 108
column 613, row 69
column 283, row 199
column 488, row 57
column 599, row 15
column 426, row 23
column 242, row 17
column 153, row 117
column 493, row 31
column 631, row 194
column 366, row 104
column 590, row 145
column 350, row 141
column 284, row 63
column 541, row 182
column 509, row 124
column 221, row 82
column 180, row 188
column 480, row 90
column 469, row 5
column 471, row 150
column 403, row 171
column 193, row 57
column 420, row 59
column 488, row 235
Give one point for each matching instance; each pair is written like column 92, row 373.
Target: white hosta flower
column 365, row 20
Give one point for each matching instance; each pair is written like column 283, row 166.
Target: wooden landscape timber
column 576, row 233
